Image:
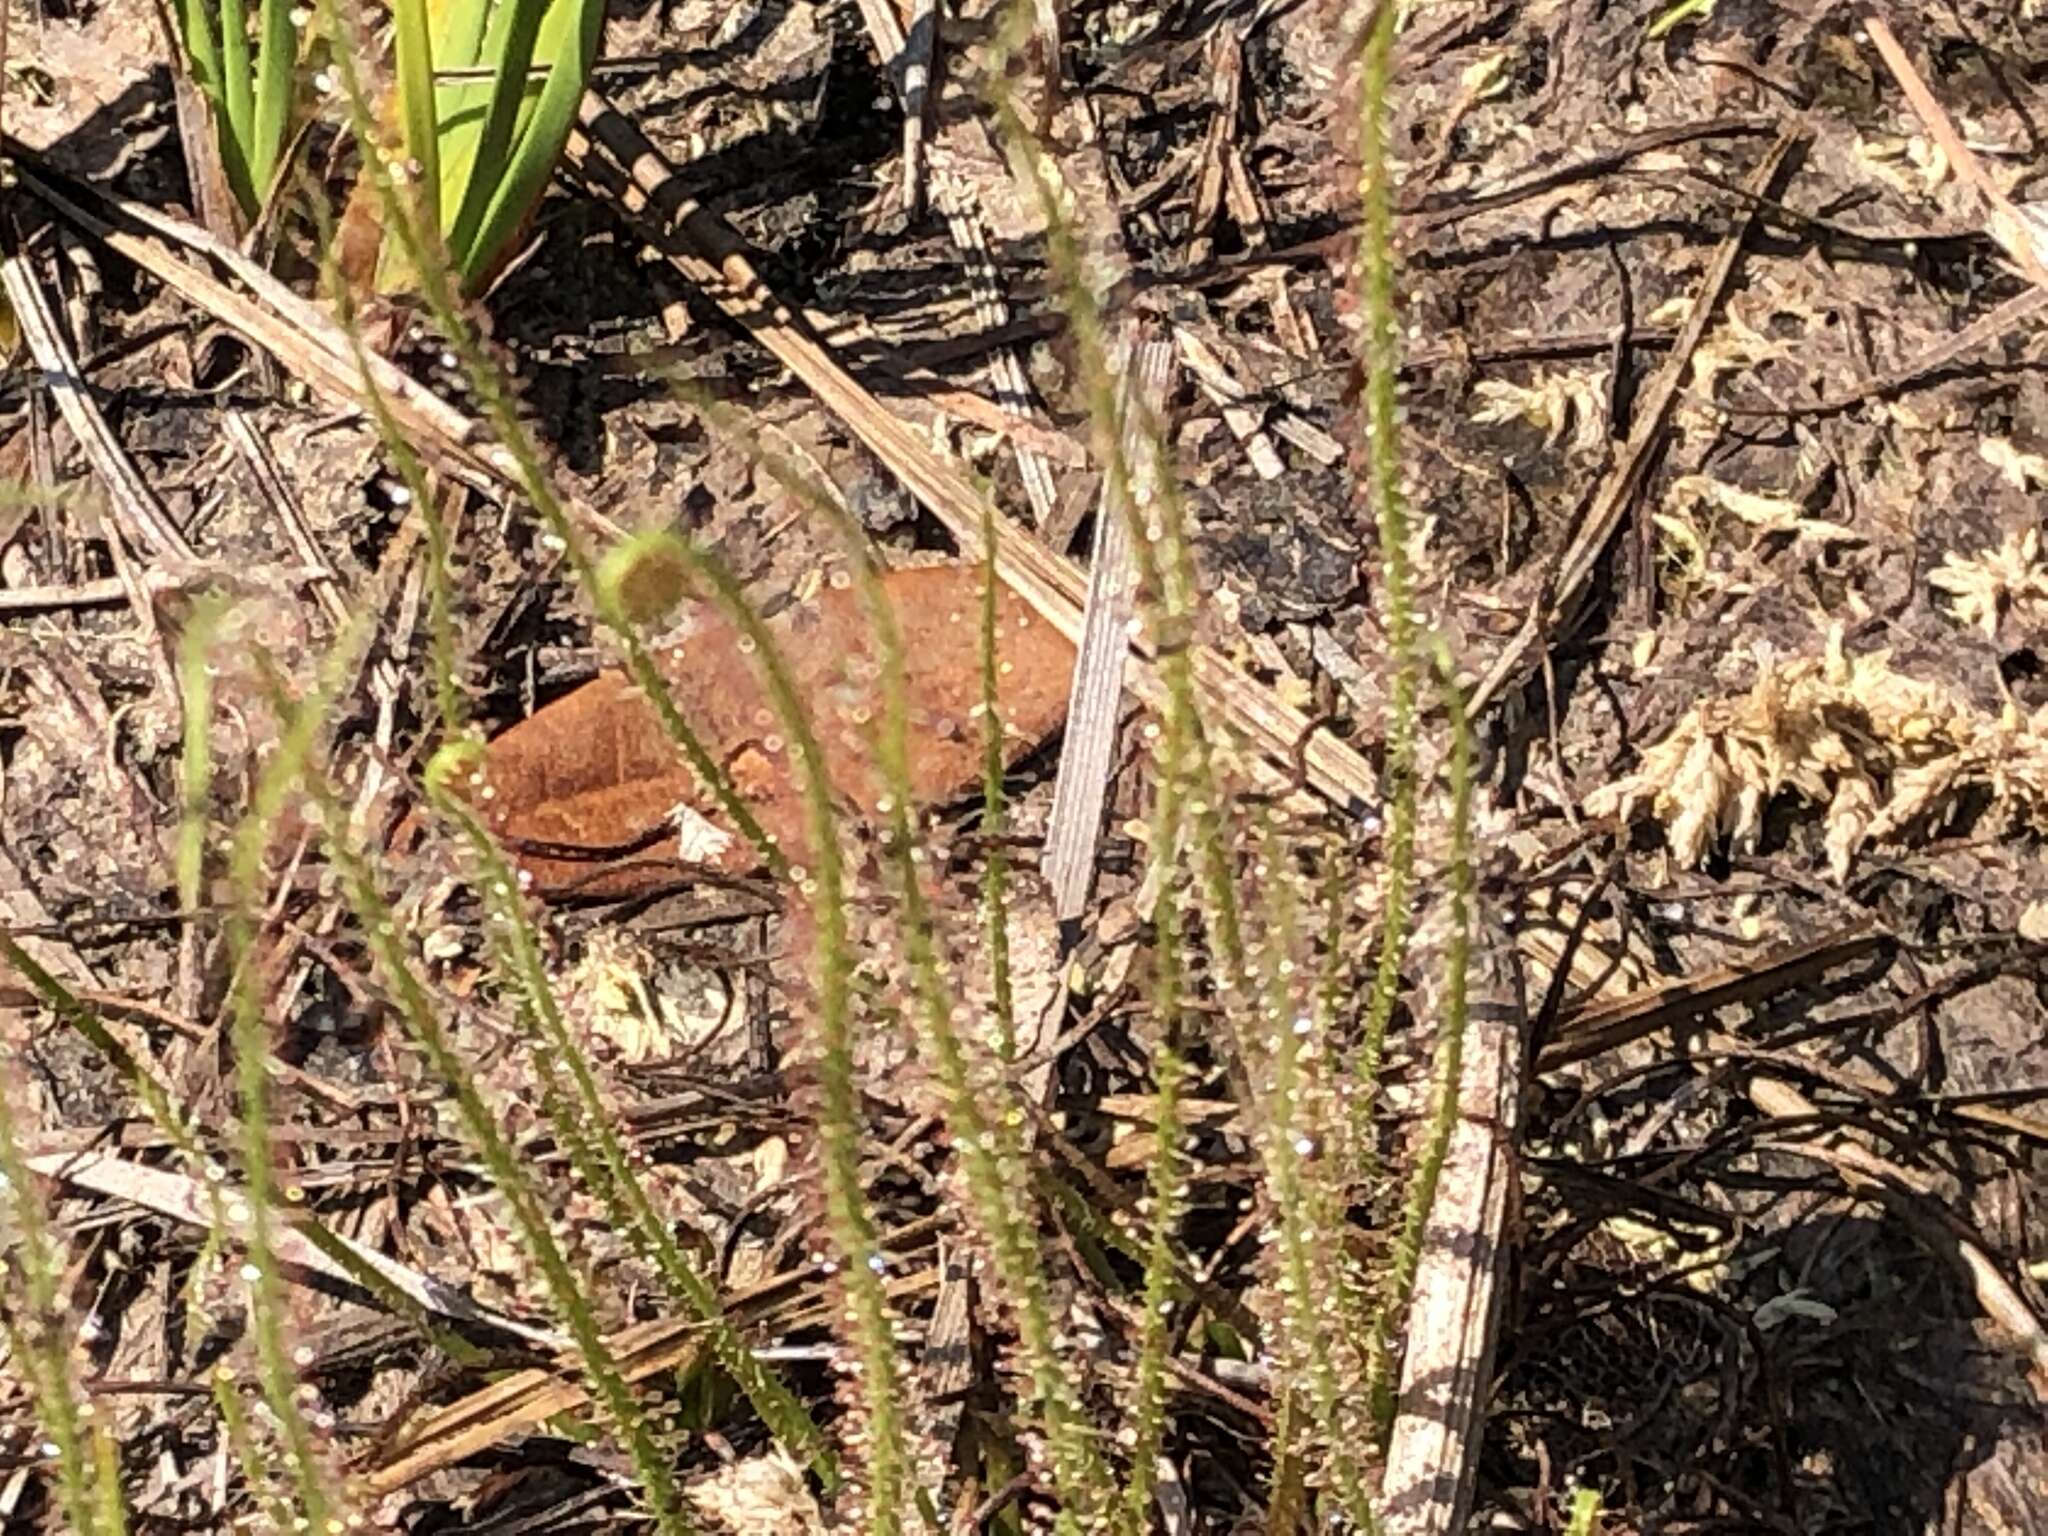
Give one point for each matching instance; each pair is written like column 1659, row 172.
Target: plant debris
column 1724, row 431
column 596, row 801
column 1878, row 751
column 1984, row 588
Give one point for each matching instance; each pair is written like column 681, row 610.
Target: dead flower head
column 1879, row 752
column 1982, row 590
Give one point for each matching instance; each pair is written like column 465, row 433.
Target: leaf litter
column 1877, row 751
column 596, row 801
column 1742, row 730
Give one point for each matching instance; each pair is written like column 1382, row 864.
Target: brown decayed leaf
column 594, row 772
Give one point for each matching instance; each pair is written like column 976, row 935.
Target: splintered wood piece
column 596, row 802
column 1453, row 1320
column 1089, row 747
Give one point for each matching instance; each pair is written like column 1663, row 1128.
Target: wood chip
column 1201, row 361
column 1460, row 1285
column 1084, row 773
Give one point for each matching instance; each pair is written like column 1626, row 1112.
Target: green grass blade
column 484, row 28
column 459, row 27
column 202, row 47
column 201, row 39
column 515, row 31
column 238, row 78
column 569, row 37
column 277, row 60
column 460, row 106
column 418, row 106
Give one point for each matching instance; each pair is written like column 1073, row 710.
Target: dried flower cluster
column 1878, row 751
column 1553, row 402
column 2009, row 579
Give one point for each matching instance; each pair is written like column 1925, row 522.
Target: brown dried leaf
column 596, row 802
